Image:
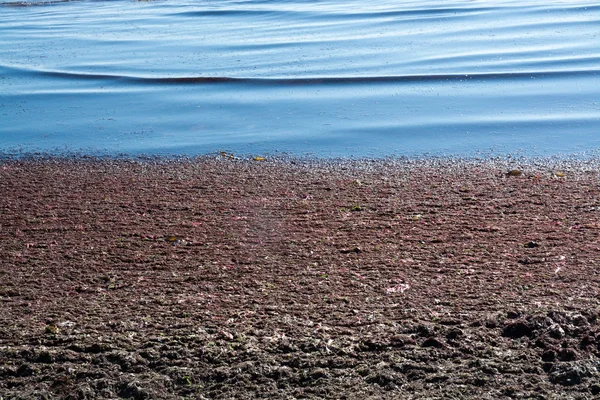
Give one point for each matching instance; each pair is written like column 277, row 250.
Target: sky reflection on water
column 326, row 78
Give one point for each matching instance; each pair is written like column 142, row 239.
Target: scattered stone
column 454, row 334
column 556, row 331
column 352, row 250
column 134, row 390
column 572, row 373
column 432, row 342
column 567, row 354
column 516, row 329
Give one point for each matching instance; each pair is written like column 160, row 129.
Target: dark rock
column 549, row 355
column 352, row 250
column 286, row 346
column 516, row 329
column 438, row 378
column 45, row 357
column 580, row 320
column 125, row 360
column 133, row 390
column 491, row 323
column 432, row 342
column 567, row 355
column 7, row 370
column 425, row 330
column 96, row 348
column 571, row 373
column 586, row 342
column 381, row 378
column 372, row 345
column 539, row 322
column 547, row 366
column 311, row 376
column 556, row 331
column 401, row 341
column 558, row 317
column 480, row 382
column 454, row 334
column 26, row 370
column 450, row 322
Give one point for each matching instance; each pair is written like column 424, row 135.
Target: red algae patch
column 219, row 278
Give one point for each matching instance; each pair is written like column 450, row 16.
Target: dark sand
column 227, row 279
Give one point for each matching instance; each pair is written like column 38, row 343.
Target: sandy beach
column 218, row 278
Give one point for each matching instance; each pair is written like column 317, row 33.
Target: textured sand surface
column 217, row 278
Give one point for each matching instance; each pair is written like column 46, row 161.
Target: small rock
column 381, row 378
column 570, row 373
column 580, row 320
column 549, row 355
column 556, row 331
column 133, row 390
column 402, row 340
column 516, row 329
column 432, row 342
column 567, row 354
column 284, row 372
column 26, row 370
column 318, row 373
column 454, row 334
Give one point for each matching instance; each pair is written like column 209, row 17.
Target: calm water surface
column 327, row 78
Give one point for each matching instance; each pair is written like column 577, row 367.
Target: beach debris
column 514, row 172
column 402, row 287
column 356, row 208
column 417, row 217
column 258, row 158
column 51, row 329
column 531, row 245
column 176, row 240
column 229, row 156
column 557, row 270
column 352, row 250
column 559, row 174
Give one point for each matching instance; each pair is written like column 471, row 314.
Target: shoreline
column 584, row 161
column 461, row 167
column 217, row 278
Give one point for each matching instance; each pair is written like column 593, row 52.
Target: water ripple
column 322, row 76
column 344, row 80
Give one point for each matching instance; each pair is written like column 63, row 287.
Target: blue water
column 324, row 78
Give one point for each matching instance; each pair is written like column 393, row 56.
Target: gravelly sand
column 218, row 278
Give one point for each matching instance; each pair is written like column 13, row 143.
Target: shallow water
column 325, row 78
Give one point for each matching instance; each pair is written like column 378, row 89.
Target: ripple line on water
column 338, row 80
